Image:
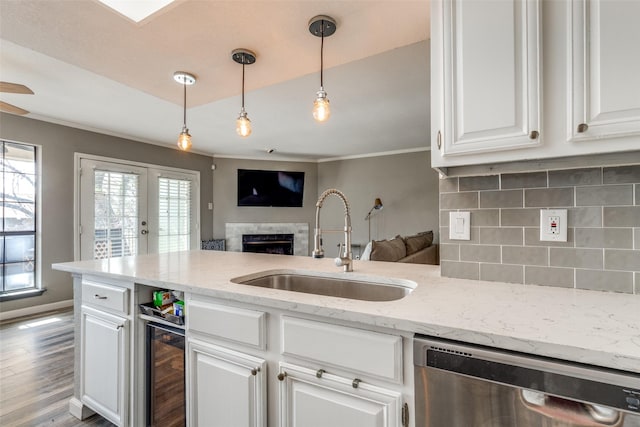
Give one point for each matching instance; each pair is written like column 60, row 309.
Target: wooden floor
column 36, row 372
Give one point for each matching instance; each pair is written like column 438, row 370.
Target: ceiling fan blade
column 15, row 88
column 8, row 108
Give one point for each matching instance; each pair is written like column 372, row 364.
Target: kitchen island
column 590, row 327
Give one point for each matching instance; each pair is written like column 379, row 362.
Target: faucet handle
column 339, row 259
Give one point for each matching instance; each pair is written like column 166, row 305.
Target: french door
column 130, row 209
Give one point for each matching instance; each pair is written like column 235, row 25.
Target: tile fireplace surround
column 300, row 231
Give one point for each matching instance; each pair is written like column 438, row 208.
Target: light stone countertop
column 597, row 328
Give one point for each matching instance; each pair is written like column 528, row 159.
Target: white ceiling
column 92, row 68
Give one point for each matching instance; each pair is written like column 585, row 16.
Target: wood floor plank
column 36, row 372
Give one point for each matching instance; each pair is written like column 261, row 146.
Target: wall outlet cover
column 553, row 225
column 460, row 225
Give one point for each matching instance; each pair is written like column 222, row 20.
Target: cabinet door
column 604, row 69
column 307, row 400
column 485, row 76
column 225, row 387
column 104, row 365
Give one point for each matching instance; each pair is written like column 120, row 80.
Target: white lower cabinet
column 317, row 399
column 225, row 387
column 252, row 366
column 104, row 379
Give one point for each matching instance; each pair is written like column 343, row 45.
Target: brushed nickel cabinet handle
column 583, row 127
column 534, row 134
column 96, row 296
column 439, row 140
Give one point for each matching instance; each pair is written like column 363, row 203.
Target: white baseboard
column 36, row 309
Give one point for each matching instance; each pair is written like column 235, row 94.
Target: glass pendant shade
column 321, row 109
column 243, row 124
column 184, row 139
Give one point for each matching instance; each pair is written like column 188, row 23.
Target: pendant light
column 184, row 139
column 322, row 26
column 244, row 57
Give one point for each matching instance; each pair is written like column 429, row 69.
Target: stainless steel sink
column 351, row 286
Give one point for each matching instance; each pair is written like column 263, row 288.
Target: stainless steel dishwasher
column 462, row 385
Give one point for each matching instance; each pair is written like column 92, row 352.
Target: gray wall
column 602, row 251
column 405, row 183
column 225, row 193
column 59, row 143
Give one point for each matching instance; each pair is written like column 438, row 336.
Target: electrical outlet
column 553, row 225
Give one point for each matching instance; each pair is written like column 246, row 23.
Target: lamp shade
column 321, row 108
column 184, row 140
column 243, row 124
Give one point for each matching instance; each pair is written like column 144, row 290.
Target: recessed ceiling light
column 136, row 10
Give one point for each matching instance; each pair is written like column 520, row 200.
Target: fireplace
column 300, row 230
column 281, row 244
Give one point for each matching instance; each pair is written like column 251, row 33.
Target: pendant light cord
column 243, row 61
column 321, row 53
column 184, row 117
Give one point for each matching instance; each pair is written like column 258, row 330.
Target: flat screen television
column 270, row 188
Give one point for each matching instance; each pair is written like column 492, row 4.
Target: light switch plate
column 460, row 225
column 553, row 225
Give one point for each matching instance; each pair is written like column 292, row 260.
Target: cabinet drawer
column 102, row 295
column 229, row 323
column 353, row 349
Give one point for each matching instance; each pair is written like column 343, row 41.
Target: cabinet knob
column 583, row 127
column 534, row 134
column 282, row 376
column 320, row 372
column 439, row 140
column 255, row 371
column 144, row 231
column 96, row 296
column 356, row 382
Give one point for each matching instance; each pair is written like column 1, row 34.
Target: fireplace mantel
column 300, row 231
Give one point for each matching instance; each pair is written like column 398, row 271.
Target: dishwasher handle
column 569, row 411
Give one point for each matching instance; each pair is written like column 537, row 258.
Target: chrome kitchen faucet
column 344, row 258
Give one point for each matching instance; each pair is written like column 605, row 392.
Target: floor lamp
column 377, row 205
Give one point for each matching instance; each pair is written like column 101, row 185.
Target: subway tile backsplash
column 602, row 251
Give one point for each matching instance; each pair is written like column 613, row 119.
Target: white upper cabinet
column 515, row 80
column 485, row 76
column 604, row 76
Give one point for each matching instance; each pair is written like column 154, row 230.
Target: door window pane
column 18, row 184
column 115, row 214
column 174, row 209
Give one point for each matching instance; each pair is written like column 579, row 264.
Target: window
column 19, row 186
column 174, row 214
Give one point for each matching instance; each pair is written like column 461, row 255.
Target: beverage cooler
column 165, row 376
